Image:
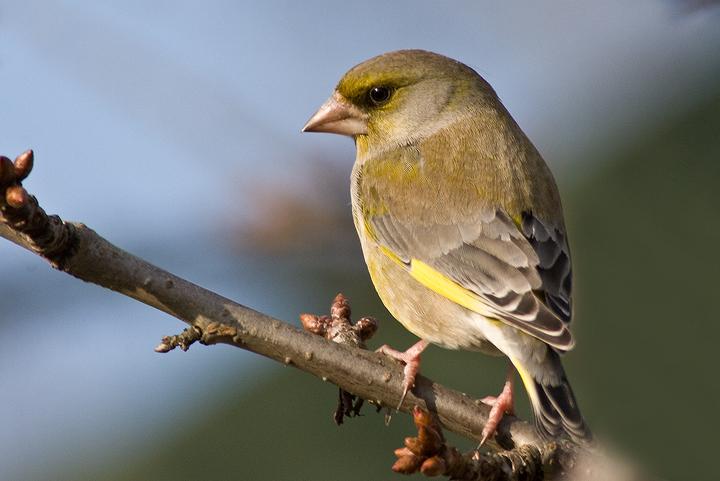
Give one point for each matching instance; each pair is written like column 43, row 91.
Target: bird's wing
column 519, row 273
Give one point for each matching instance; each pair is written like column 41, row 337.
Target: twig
column 183, row 340
column 79, row 251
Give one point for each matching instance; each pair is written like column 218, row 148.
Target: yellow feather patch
column 392, row 256
column 528, row 381
column 447, row 288
column 517, row 218
column 370, row 231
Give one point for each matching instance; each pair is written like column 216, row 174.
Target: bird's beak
column 338, row 116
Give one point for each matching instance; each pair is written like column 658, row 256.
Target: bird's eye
column 379, row 95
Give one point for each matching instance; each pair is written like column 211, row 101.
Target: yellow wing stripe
column 447, row 288
column 392, row 256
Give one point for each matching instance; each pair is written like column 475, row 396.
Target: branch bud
column 24, row 164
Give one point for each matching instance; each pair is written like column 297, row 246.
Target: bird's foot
column 501, row 404
column 411, row 358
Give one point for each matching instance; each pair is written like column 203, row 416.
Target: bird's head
column 400, row 96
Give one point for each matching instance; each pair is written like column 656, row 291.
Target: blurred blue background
column 173, row 129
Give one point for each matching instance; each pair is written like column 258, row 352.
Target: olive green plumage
column 460, row 220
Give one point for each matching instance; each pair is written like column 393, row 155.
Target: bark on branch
column 79, row 251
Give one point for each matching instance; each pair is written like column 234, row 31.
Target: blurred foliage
column 645, row 235
column 644, row 231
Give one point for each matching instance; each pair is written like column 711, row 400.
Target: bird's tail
column 554, row 405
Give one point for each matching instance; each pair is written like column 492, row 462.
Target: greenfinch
column 460, row 223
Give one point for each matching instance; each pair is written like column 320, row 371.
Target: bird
column 461, row 225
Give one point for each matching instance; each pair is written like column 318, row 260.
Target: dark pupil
column 379, row 94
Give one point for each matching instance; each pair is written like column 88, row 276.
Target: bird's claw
column 501, row 404
column 411, row 359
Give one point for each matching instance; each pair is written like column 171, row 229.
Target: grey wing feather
column 554, row 267
column 521, row 277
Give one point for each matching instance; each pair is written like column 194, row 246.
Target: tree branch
column 79, row 251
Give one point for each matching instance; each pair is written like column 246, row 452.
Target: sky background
column 157, row 123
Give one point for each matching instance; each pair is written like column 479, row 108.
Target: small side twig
column 183, row 340
column 213, row 333
column 338, row 327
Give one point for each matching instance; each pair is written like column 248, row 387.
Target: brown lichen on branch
column 338, row 327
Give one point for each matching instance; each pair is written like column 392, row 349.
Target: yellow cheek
column 361, row 144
